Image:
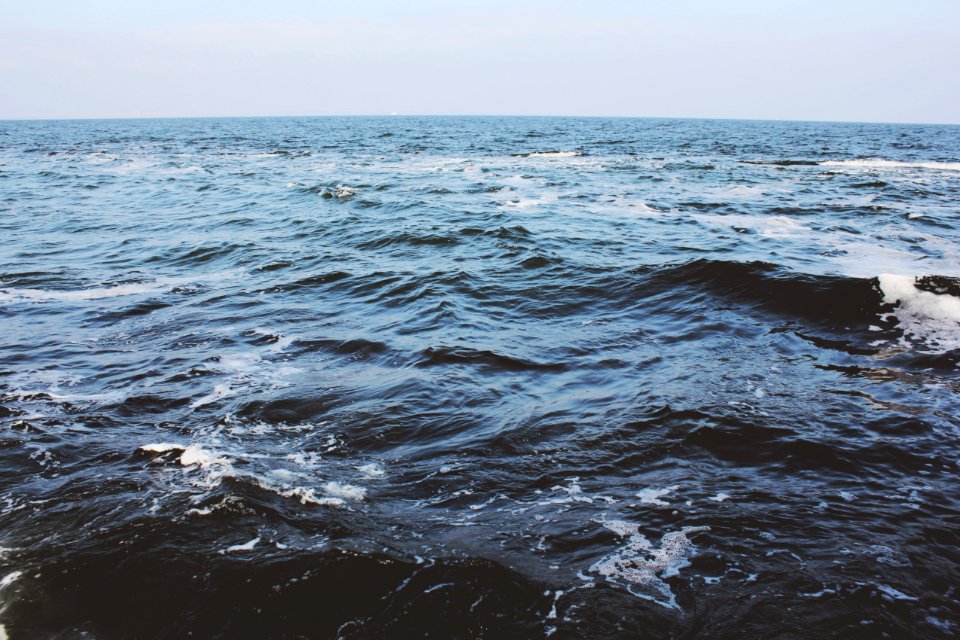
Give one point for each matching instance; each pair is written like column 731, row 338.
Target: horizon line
column 464, row 115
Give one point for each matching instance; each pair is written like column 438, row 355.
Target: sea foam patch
column 638, row 564
column 932, row 318
column 209, row 468
column 880, row 163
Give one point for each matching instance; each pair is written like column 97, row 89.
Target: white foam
column 219, row 391
column 347, row 491
column 879, row 163
column 197, row 455
column 108, row 397
column 53, row 379
column 236, row 362
column 865, row 258
column 652, row 496
column 638, row 563
column 720, row 497
column 892, row 594
column 162, row 447
column 929, row 317
column 247, row 546
column 574, row 494
column 214, row 467
column 286, row 475
column 885, row 555
column 942, row 625
column 307, row 460
column 526, row 203
column 10, row 578
column 343, row 192
column 371, row 470
column 743, row 191
column 158, row 285
column 22, row 295
column 767, row 226
column 304, row 495
column 555, row 154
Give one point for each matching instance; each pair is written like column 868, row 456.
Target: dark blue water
column 479, row 378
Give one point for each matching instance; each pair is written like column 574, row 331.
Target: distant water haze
column 882, row 61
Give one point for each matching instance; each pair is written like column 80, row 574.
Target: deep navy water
column 479, row 378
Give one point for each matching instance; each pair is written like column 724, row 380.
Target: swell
column 822, row 298
column 568, row 288
column 562, row 287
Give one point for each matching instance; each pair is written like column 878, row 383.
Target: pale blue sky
column 879, row 60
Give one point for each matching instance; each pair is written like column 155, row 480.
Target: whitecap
column 109, row 397
column 24, row 295
column 880, row 163
column 10, row 578
column 158, row 285
column 652, row 496
column 890, row 593
column 929, row 317
column 203, row 458
column 247, row 546
column 372, row 470
column 347, row 491
column 219, row 391
column 556, row 154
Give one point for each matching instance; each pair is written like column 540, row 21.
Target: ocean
column 470, row 377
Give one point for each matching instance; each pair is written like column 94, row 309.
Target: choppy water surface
column 467, row 377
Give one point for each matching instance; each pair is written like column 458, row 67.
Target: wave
column 338, row 192
column 158, row 285
column 824, row 298
column 406, row 238
column 30, row 295
column 783, row 163
column 860, row 163
column 356, row 349
column 213, row 468
column 548, row 154
column 879, row 163
column 926, row 308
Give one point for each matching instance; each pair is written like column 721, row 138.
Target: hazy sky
column 876, row 60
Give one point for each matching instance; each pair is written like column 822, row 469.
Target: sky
column 839, row 60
